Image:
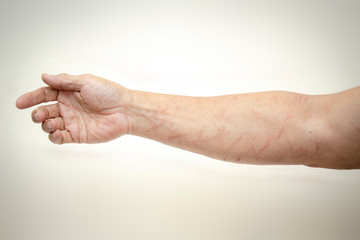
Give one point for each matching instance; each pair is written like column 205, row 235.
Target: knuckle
column 45, row 111
column 60, row 123
column 42, row 94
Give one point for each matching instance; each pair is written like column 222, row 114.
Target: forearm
column 258, row 128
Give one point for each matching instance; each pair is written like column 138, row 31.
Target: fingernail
column 36, row 116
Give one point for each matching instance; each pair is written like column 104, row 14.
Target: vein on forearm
column 262, row 128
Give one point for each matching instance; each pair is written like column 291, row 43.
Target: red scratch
column 265, row 146
column 176, row 136
column 289, row 143
column 280, row 133
column 253, row 149
column 301, row 98
column 357, row 129
column 237, row 140
column 288, row 117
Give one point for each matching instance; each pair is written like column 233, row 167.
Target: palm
column 94, row 114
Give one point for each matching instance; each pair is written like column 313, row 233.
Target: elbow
column 336, row 143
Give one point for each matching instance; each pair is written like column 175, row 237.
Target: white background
column 134, row 188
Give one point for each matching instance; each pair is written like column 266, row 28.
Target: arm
column 256, row 128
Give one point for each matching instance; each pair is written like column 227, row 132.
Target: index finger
column 41, row 95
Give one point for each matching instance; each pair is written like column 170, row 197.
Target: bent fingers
column 61, row 137
column 53, row 124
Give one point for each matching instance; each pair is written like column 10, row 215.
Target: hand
column 89, row 109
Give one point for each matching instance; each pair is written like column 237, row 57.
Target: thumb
column 63, row 81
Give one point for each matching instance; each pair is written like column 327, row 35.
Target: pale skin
column 256, row 128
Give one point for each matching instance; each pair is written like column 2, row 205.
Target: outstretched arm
column 255, row 128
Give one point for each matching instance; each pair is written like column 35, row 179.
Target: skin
column 255, row 128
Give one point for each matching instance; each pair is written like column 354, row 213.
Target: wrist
column 136, row 111
column 145, row 112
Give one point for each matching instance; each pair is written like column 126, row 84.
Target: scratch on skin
column 253, row 149
column 289, row 143
column 174, row 136
column 221, row 132
column 288, row 117
column 155, row 126
column 268, row 142
column 266, row 145
column 302, row 98
column 237, row 140
column 356, row 128
column 280, row 133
